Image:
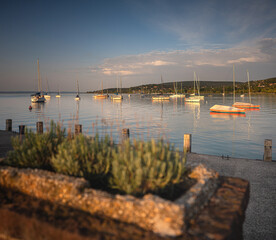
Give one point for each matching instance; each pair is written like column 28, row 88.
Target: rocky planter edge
column 153, row 213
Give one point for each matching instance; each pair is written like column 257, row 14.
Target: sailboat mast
column 102, row 87
column 78, row 87
column 161, row 83
column 198, row 86
column 234, row 96
column 117, row 84
column 194, row 81
column 39, row 81
column 248, row 86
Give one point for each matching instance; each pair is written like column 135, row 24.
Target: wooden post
column 268, row 150
column 39, row 127
column 187, row 145
column 125, row 133
column 78, row 129
column 8, row 125
column 21, row 129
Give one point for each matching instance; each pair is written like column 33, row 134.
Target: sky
column 137, row 41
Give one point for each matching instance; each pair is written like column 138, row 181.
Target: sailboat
column 176, row 95
column 38, row 97
column 118, row 97
column 161, row 97
column 77, row 98
column 228, row 109
column 101, row 96
column 46, row 95
column 244, row 104
column 195, row 97
column 58, row 95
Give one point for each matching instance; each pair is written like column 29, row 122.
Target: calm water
column 216, row 134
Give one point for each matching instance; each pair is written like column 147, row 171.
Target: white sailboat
column 195, row 97
column 77, row 98
column 118, row 97
column 246, row 105
column 58, row 94
column 228, row 109
column 101, row 96
column 46, row 95
column 176, row 95
column 161, row 97
column 38, row 97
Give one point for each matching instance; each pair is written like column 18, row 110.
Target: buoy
column 30, row 107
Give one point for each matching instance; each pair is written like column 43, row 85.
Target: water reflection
column 213, row 133
column 226, row 116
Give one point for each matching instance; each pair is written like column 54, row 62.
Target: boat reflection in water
column 226, row 116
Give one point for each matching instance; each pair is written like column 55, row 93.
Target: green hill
column 258, row 86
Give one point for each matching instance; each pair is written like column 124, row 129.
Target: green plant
column 35, row 150
column 84, row 157
column 145, row 167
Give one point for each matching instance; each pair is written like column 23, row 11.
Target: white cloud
column 244, row 59
column 176, row 64
column 158, row 63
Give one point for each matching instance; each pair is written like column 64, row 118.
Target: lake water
column 216, row 134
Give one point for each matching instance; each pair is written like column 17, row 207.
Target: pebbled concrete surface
column 260, row 221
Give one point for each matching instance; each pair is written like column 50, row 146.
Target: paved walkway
column 260, row 222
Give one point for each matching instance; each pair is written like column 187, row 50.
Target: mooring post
column 39, row 127
column 268, row 150
column 8, row 125
column 21, row 129
column 125, row 133
column 78, row 129
column 187, row 145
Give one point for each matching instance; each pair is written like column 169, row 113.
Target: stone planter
column 166, row 218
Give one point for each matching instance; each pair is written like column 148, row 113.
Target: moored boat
column 160, row 98
column 38, row 97
column 192, row 99
column 77, row 98
column 117, row 97
column 177, row 96
column 101, row 96
column 246, row 105
column 226, row 109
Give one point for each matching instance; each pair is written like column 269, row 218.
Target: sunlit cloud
column 178, row 63
column 159, row 63
column 244, row 59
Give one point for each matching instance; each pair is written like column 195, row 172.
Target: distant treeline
column 258, row 86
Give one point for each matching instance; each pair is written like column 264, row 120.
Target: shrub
column 145, row 167
column 35, row 150
column 84, row 157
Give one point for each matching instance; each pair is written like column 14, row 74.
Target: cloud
column 197, row 23
column 178, row 63
column 244, row 59
column 158, row 63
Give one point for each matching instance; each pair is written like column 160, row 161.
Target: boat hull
column 160, row 98
column 226, row 109
column 245, row 105
column 192, row 99
column 101, row 96
column 177, row 96
column 38, row 99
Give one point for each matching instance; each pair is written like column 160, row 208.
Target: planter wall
column 150, row 212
